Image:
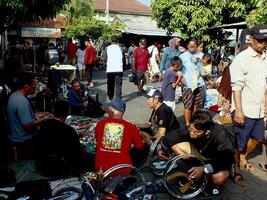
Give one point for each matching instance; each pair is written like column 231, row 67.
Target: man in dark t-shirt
column 210, row 143
column 58, row 149
column 162, row 122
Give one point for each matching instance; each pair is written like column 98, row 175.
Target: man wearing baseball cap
column 140, row 64
column 249, row 82
column 162, row 122
column 114, row 138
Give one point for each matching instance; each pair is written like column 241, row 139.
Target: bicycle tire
column 70, row 189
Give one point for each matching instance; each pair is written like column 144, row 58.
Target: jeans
column 114, row 83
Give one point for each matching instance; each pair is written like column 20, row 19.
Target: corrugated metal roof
column 123, row 6
column 141, row 25
column 231, row 26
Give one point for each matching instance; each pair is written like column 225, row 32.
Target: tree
column 259, row 14
column 193, row 18
column 81, row 22
column 19, row 11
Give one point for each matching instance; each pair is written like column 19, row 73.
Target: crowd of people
column 35, row 131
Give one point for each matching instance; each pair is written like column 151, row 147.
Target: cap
column 118, row 105
column 259, row 32
column 154, row 93
column 143, row 41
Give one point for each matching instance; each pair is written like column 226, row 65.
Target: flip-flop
column 263, row 167
column 247, row 166
column 239, row 180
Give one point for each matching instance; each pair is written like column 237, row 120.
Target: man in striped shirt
column 249, row 83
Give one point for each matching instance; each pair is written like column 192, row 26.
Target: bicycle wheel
column 68, row 193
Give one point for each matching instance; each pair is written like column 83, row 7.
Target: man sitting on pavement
column 114, row 137
column 58, row 148
column 23, row 122
column 162, row 122
column 76, row 98
column 209, row 142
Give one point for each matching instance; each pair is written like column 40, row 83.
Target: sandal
column 263, row 167
column 247, row 166
column 239, row 180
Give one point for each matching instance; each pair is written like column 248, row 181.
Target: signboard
column 40, row 32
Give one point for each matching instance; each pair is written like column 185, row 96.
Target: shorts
column 195, row 98
column 140, row 76
column 252, row 128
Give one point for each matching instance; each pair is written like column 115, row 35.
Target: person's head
column 154, row 98
column 61, row 109
column 114, row 39
column 200, row 46
column 200, row 124
column 206, row 59
column 192, row 45
column 25, row 82
column 70, row 40
column 76, row 85
column 174, row 42
column 116, row 108
column 176, row 63
column 142, row 43
column 87, row 43
column 258, row 36
column 82, row 45
column 51, row 45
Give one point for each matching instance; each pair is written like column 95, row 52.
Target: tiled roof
column 123, row 6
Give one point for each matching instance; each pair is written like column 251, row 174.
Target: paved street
column 138, row 112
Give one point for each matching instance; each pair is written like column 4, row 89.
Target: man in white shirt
column 113, row 57
column 249, row 83
column 153, row 60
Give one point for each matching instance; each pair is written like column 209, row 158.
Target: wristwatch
column 208, row 169
column 205, row 169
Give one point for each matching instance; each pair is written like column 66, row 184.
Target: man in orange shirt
column 114, row 138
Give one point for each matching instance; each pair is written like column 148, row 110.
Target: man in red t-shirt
column 71, row 48
column 89, row 61
column 114, row 137
column 140, row 64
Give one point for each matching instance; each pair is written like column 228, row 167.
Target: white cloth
column 114, row 59
column 154, row 67
column 80, row 59
column 249, row 74
column 171, row 104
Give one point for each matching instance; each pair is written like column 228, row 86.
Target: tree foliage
column 192, row 18
column 81, row 22
column 19, row 11
column 259, row 14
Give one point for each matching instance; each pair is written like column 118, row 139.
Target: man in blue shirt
column 22, row 120
column 194, row 85
column 170, row 81
column 76, row 98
